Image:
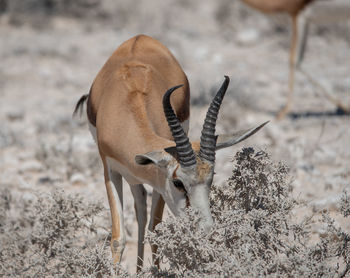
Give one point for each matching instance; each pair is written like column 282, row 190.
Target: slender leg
column 156, row 217
column 140, row 198
column 294, row 41
column 304, row 23
column 303, row 28
column 118, row 184
column 116, row 208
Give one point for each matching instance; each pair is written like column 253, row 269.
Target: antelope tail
column 79, row 105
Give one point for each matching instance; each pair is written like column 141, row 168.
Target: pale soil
column 44, row 71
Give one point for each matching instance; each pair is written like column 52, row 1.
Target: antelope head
column 189, row 172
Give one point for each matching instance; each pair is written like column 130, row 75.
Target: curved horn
column 184, row 150
column 208, row 137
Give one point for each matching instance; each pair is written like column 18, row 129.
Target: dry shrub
column 53, row 236
column 254, row 234
column 345, row 204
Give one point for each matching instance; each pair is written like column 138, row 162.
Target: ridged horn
column 184, row 149
column 208, row 137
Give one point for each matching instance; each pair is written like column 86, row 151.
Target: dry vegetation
column 50, row 52
column 53, row 235
column 255, row 233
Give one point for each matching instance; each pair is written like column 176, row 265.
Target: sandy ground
column 44, row 71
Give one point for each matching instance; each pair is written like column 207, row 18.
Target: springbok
column 293, row 8
column 321, row 11
column 302, row 14
column 125, row 109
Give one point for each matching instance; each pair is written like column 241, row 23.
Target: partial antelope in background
column 125, row 108
column 321, row 11
column 302, row 13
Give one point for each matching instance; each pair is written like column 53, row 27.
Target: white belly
column 114, row 165
column 93, row 132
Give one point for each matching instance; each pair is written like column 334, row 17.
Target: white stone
column 77, row 178
column 248, row 36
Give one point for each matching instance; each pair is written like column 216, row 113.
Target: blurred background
column 51, row 50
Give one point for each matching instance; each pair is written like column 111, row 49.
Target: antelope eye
column 179, row 185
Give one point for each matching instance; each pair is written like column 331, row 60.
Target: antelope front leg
column 115, row 203
column 140, row 199
column 156, row 217
column 293, row 48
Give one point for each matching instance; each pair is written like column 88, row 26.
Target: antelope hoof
column 117, row 247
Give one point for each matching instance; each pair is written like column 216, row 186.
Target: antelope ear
column 159, row 158
column 227, row 140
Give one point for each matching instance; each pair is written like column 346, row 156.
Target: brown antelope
column 125, row 109
column 302, row 15
column 321, row 11
column 293, row 8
